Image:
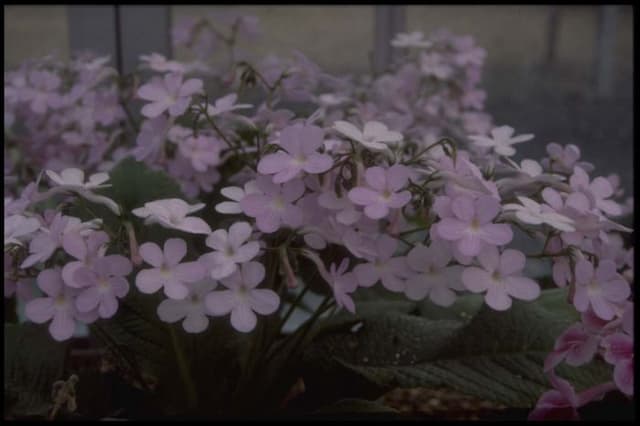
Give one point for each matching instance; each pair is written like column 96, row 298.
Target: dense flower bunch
column 404, row 176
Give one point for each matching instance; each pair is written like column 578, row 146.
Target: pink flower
column 301, row 144
column 389, row 270
column 576, row 346
column 242, row 298
column 103, row 284
column 471, row 226
column 191, row 308
column 231, row 249
column 432, row 277
column 272, row 206
column 57, row 305
column 602, row 289
column 85, row 249
column 619, row 352
column 168, row 272
column 499, row 276
column 168, row 94
column 383, row 191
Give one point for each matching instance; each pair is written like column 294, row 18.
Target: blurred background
column 563, row 73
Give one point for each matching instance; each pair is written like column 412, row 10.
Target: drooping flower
column 272, row 206
column 226, row 104
column 471, row 227
column 383, row 192
column 501, row 140
column 242, row 298
column 430, row 276
column 103, row 284
column 602, row 288
column 231, row 249
column 301, row 144
column 172, row 213
column 533, row 213
column 191, row 308
column 374, row 136
column 499, row 277
column 170, row 93
column 389, row 270
column 72, row 179
column 167, row 271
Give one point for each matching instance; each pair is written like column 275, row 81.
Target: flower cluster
column 403, row 174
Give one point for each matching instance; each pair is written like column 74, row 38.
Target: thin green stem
column 183, row 366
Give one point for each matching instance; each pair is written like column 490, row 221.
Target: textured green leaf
column 33, row 361
column 496, row 355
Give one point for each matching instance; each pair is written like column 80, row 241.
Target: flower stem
column 192, row 396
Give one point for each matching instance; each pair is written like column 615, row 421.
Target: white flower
column 536, row 214
column 226, row 104
column 172, row 213
column 413, row 39
column 501, row 140
column 374, row 136
column 17, row 228
column 236, row 194
column 72, row 179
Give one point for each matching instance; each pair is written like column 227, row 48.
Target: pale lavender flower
column 499, row 277
column 191, row 309
column 471, row 227
column 158, row 62
column 203, row 151
column 226, row 104
column 57, row 305
column 19, row 229
column 501, row 140
column 598, row 191
column 564, row 159
column 72, row 179
column 170, row 93
column 601, row 288
column 172, row 213
column 242, row 298
column 436, row 65
column 346, row 212
column 431, row 276
column 231, row 249
column 151, row 139
column 412, row 39
column 391, row 271
column 533, row 213
column 343, row 284
column 374, row 136
column 42, row 91
column 273, row 206
column 384, row 191
column 236, row 194
column 301, row 144
column 167, row 271
column 103, row 284
column 85, row 249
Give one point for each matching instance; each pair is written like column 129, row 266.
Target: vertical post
column 553, row 22
column 142, row 30
column 389, row 20
column 605, row 55
column 93, row 28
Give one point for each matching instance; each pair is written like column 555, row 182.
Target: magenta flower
column 602, row 289
column 170, row 93
column 231, row 249
column 273, row 206
column 576, row 346
column 103, row 284
column 168, row 272
column 432, row 277
column 619, row 352
column 389, row 270
column 191, row 309
column 383, row 191
column 242, row 298
column 301, row 144
column 58, row 305
column 499, row 277
column 471, row 227
column 86, row 250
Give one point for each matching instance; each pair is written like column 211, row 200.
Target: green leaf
column 33, row 361
column 496, row 355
